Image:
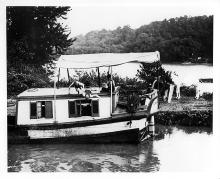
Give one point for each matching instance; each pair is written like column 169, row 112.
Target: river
column 188, row 74
column 174, row 149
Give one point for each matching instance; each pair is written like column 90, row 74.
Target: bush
column 150, row 72
column 19, row 81
column 189, row 91
column 185, row 118
column 207, row 96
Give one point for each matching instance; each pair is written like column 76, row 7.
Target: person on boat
column 104, row 87
column 109, row 85
column 78, row 85
column 109, row 78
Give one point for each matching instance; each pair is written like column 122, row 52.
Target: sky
column 84, row 18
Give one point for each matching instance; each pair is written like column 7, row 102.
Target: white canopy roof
column 85, row 61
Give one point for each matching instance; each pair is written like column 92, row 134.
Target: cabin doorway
column 86, row 109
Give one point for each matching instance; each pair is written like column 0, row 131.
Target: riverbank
column 186, row 104
column 201, row 118
column 187, row 111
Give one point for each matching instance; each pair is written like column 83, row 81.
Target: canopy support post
column 68, row 74
column 58, row 76
column 99, row 80
column 158, row 77
column 158, row 83
column 54, row 104
column 111, row 91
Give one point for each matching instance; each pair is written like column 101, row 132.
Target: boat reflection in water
column 174, row 149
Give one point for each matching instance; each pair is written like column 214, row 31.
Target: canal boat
column 82, row 114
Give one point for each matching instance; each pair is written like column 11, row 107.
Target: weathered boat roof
column 46, row 92
column 86, row 61
column 49, row 92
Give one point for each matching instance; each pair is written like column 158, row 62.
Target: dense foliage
column 90, row 78
column 199, row 118
column 150, row 72
column 177, row 39
column 34, row 38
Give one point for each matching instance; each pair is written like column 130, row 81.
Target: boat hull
column 112, row 132
column 126, row 136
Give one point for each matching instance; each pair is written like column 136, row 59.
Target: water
column 188, row 73
column 174, row 149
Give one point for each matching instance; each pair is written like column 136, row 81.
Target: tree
column 154, row 71
column 34, row 39
column 33, row 34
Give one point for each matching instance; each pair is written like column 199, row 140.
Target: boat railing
column 151, row 94
column 148, row 97
column 144, row 98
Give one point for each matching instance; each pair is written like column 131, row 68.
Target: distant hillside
column 182, row 39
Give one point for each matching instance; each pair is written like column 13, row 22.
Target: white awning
column 86, row 61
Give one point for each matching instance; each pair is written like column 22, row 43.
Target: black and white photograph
column 108, row 87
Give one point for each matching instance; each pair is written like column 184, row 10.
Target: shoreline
column 196, row 118
column 186, row 63
column 187, row 111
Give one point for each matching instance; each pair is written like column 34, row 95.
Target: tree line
column 180, row 39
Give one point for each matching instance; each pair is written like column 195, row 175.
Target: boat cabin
column 46, row 105
column 38, row 106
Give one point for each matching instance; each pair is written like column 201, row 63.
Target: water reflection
column 171, row 150
column 83, row 158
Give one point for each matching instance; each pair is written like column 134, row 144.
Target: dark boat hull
column 127, row 136
column 120, row 130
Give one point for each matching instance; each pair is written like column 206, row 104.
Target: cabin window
column 85, row 107
column 78, row 108
column 41, row 109
column 48, row 109
column 33, row 110
column 95, row 108
column 72, row 109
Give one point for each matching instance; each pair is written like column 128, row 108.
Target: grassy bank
column 187, row 104
column 187, row 111
column 200, row 118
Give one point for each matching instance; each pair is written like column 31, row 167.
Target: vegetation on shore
column 185, row 118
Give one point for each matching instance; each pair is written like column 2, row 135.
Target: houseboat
column 81, row 114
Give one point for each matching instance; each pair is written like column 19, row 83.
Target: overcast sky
column 82, row 19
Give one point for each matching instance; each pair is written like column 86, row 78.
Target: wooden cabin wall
column 23, row 116
column 104, row 106
column 62, row 112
